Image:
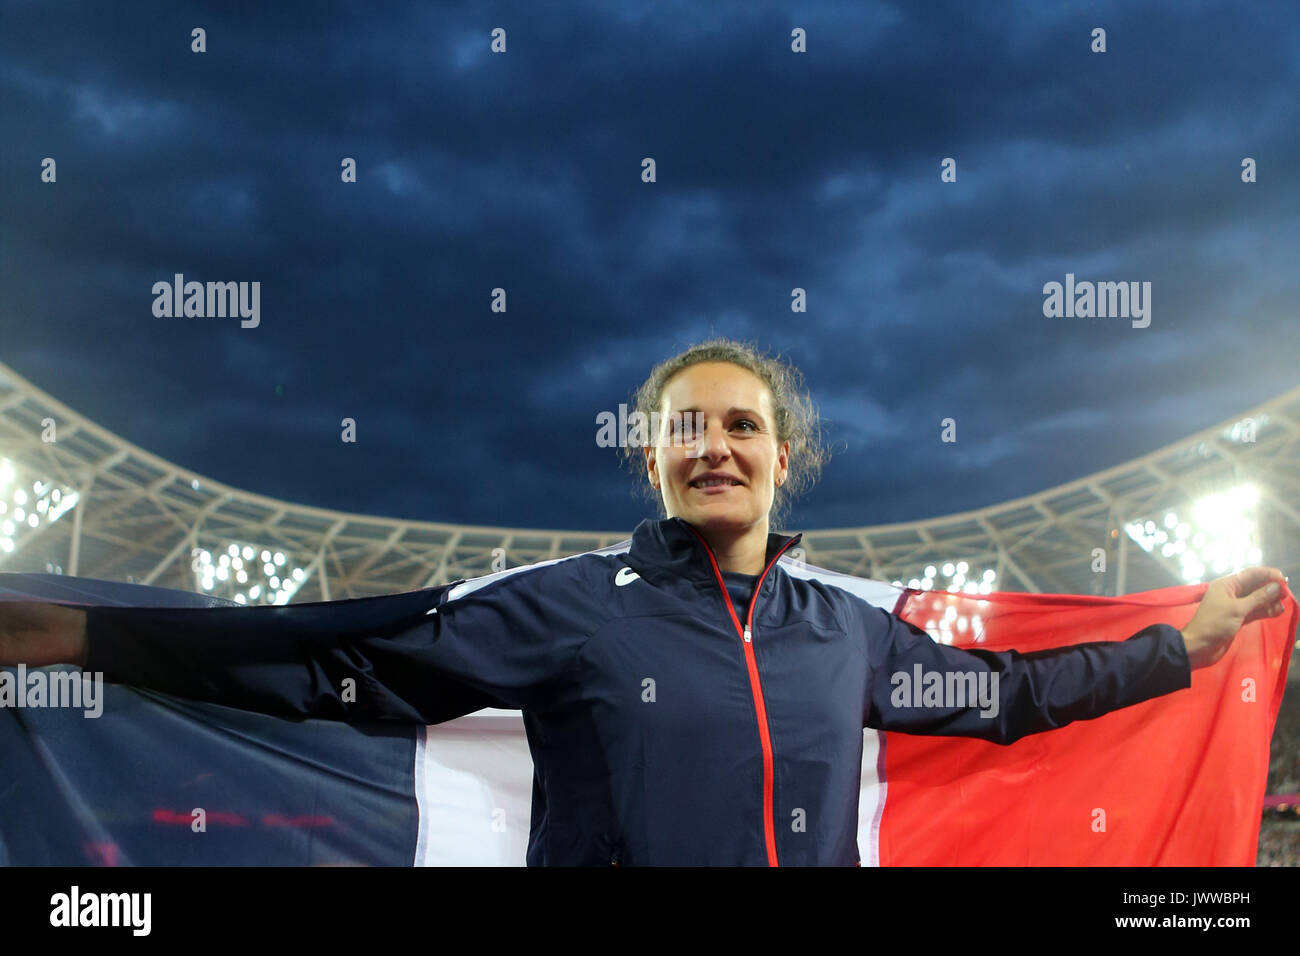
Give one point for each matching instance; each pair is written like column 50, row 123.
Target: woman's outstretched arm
column 421, row 656
column 1002, row 696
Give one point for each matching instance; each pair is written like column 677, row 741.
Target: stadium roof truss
column 79, row 500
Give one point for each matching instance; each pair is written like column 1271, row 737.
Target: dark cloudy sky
column 522, row 170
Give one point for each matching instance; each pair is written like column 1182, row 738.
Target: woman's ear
column 651, row 472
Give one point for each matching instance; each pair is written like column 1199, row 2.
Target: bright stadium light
column 1219, row 536
column 62, row 504
column 239, row 575
column 24, row 509
column 946, row 622
column 960, row 579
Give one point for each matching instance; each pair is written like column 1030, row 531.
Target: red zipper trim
column 756, row 689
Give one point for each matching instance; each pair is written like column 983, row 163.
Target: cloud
column 522, row 172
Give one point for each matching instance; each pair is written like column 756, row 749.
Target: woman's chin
column 721, row 518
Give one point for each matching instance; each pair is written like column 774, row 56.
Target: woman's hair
column 796, row 416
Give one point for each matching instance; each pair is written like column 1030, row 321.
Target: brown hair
column 796, row 416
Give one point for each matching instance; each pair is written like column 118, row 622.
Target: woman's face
column 738, row 442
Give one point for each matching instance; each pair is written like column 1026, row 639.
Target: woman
column 686, row 701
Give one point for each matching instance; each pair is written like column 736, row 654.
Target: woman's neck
column 744, row 553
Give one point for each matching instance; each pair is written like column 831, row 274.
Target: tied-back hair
column 796, row 417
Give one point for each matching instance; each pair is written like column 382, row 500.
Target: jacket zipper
column 756, row 689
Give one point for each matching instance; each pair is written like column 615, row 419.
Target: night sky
column 522, row 170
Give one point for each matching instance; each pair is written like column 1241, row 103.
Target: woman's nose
column 713, row 444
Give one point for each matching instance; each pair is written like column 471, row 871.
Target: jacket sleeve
column 1002, row 696
column 421, row 656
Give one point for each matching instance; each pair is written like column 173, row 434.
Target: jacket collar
column 669, row 549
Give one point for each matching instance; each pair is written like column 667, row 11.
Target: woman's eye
column 746, row 421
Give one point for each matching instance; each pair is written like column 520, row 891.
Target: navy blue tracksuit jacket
column 669, row 722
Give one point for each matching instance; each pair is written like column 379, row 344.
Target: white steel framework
column 97, row 506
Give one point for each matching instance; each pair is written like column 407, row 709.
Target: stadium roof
column 91, row 504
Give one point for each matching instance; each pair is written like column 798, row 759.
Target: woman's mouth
column 713, row 486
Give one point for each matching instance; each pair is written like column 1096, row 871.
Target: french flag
column 161, row 781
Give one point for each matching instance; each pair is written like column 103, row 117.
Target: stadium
column 78, row 500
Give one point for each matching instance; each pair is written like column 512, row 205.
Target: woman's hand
column 1230, row 603
column 37, row 634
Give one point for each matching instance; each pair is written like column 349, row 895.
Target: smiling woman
column 759, row 447
column 689, row 699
